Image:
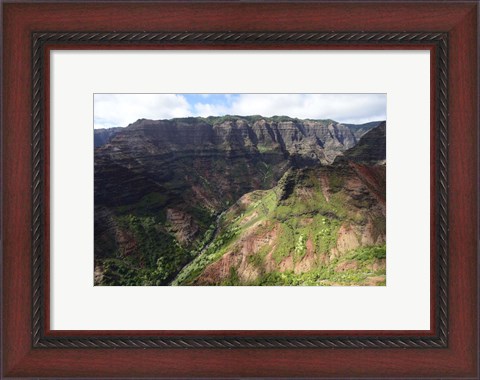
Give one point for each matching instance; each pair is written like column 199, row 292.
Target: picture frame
column 31, row 349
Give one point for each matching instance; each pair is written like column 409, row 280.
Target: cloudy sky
column 119, row 110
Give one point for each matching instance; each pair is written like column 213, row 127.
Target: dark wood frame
column 30, row 348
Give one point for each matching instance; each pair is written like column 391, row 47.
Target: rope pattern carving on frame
column 315, row 39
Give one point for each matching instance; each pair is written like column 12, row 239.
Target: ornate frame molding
column 209, row 39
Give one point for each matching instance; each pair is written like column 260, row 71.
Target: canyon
column 240, row 200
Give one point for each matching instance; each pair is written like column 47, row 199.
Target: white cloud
column 119, row 110
column 122, row 109
column 205, row 109
column 346, row 108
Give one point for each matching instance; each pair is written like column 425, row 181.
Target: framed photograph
column 240, row 189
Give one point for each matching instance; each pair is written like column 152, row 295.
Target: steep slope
column 318, row 226
column 103, row 136
column 360, row 129
column 370, row 149
column 160, row 185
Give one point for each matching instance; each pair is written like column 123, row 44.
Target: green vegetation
column 145, row 206
column 299, row 219
column 257, row 260
column 222, row 119
column 264, row 148
column 285, row 242
column 233, row 278
column 253, row 118
column 328, row 275
column 212, row 252
column 288, row 215
column 157, row 255
column 303, row 220
column 325, row 238
column 368, row 254
column 336, row 182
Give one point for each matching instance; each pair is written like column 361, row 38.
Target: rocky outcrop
column 182, row 226
column 370, row 149
column 103, row 136
column 213, row 161
column 360, row 129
